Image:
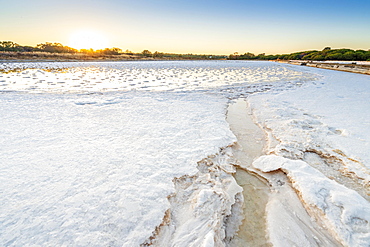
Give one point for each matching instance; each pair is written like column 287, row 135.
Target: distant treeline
column 54, row 48
column 10, row 46
column 57, row 48
column 326, row 54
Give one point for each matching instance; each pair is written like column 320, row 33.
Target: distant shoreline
column 82, row 57
column 348, row 66
column 359, row 67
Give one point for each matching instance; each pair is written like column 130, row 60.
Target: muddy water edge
column 273, row 212
column 251, row 142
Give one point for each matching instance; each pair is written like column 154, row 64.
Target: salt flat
column 318, row 135
column 89, row 151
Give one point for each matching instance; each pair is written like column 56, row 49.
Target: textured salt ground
column 98, row 235
column 144, row 76
column 319, row 136
column 273, row 213
column 99, row 173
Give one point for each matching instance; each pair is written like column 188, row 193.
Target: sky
column 192, row 26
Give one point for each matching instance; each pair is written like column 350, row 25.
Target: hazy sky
column 193, row 26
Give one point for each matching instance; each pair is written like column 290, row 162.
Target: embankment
column 352, row 67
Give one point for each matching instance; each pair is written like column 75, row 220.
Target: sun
column 88, row 39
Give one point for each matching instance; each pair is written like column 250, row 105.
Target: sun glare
column 88, row 40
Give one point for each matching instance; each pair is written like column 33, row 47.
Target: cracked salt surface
column 99, row 174
column 94, row 168
column 89, row 150
column 319, row 136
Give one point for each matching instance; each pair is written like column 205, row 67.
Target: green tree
column 247, row 56
column 146, row 53
column 360, row 55
column 110, row 51
column 27, row 48
column 318, row 57
column 283, row 57
column 349, row 55
column 334, row 56
column 55, row 48
column 367, row 56
column 158, row 54
column 294, row 56
column 8, row 46
column 234, row 56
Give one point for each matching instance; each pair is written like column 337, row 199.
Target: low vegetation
column 326, row 54
column 11, row 50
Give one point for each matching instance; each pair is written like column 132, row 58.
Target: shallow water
column 253, row 231
column 251, row 141
column 274, row 213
